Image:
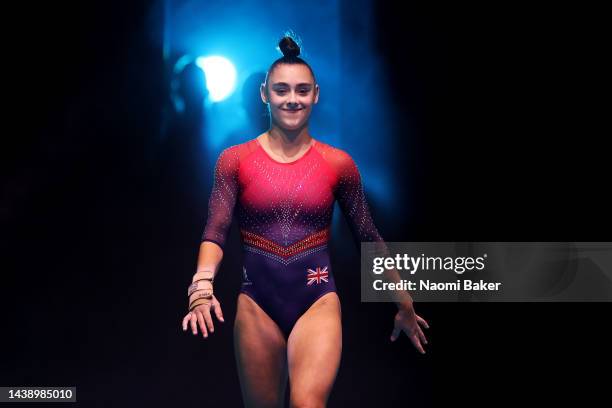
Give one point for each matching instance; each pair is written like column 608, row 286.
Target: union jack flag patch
column 318, row 275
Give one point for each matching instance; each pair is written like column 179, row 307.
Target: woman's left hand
column 407, row 320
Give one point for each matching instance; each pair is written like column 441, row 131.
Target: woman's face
column 290, row 94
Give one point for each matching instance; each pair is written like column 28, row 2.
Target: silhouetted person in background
column 184, row 184
column 258, row 119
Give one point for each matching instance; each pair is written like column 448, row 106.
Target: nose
column 292, row 102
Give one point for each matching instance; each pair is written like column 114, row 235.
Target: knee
column 270, row 402
column 307, row 401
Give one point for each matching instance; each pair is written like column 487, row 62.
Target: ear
column 316, row 92
column 263, row 93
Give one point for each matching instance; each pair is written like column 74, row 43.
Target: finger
column 422, row 321
column 422, row 336
column 201, row 322
column 217, row 309
column 208, row 319
column 395, row 333
column 415, row 340
column 185, row 320
column 193, row 321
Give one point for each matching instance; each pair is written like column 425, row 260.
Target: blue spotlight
column 220, row 76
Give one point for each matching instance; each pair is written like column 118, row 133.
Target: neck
column 288, row 141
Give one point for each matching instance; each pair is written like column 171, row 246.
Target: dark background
column 98, row 246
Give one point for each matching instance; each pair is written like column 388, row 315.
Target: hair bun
column 289, row 47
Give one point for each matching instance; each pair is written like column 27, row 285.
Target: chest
column 307, row 185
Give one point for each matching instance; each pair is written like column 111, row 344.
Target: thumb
column 218, row 311
column 395, row 333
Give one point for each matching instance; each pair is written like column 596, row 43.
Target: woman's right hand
column 201, row 315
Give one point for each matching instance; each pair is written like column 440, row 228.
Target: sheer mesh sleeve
column 222, row 198
column 351, row 198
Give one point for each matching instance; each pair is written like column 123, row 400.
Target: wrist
column 402, row 300
column 200, row 285
column 405, row 305
column 204, row 273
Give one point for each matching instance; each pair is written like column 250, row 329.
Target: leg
column 313, row 350
column 261, row 356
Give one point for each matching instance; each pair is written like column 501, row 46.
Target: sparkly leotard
column 285, row 213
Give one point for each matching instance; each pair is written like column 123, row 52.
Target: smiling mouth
column 291, row 110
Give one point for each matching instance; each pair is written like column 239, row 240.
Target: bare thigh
column 261, row 356
column 313, row 350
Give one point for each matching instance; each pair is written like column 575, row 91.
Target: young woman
column 283, row 184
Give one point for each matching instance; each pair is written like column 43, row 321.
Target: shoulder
column 232, row 155
column 339, row 159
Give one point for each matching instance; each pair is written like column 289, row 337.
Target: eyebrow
column 284, row 84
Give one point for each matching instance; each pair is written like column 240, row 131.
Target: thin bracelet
column 193, row 308
column 193, row 305
column 197, row 300
column 207, row 273
column 198, row 303
column 194, row 287
column 204, row 293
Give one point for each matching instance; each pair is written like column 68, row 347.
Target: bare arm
column 209, row 258
column 202, row 300
column 352, row 201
